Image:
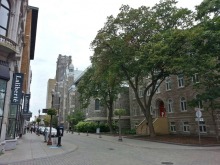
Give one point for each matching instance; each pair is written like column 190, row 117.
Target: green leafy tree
column 102, row 84
column 136, row 44
column 75, row 117
column 207, row 46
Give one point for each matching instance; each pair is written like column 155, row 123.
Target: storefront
column 4, row 77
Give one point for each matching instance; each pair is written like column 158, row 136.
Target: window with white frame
column 158, row 87
column 168, row 83
column 195, row 78
column 4, row 13
column 183, row 104
column 180, row 79
column 172, row 126
column 186, row 126
column 170, row 106
column 202, row 127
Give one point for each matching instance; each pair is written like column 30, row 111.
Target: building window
column 202, row 127
column 3, row 86
column 195, row 78
column 180, row 79
column 186, row 126
column 170, row 106
column 183, row 104
column 158, row 87
column 172, row 126
column 141, row 92
column 97, row 104
column 4, row 13
column 199, row 103
column 148, row 92
column 168, row 84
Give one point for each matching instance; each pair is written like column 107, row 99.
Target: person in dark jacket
column 59, row 135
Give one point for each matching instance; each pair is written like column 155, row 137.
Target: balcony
column 7, row 45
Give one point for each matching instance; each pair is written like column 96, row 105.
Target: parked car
column 41, row 129
column 53, row 131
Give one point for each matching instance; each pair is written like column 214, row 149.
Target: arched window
column 97, row 104
column 170, row 106
column 4, row 13
column 183, row 104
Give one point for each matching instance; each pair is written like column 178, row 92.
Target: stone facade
column 174, row 99
column 97, row 113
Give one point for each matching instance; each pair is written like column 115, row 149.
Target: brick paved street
column 92, row 150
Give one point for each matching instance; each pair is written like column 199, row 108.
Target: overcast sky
column 68, row 27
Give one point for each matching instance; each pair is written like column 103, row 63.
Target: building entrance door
column 162, row 109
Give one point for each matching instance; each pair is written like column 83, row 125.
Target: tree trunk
column 110, row 121
column 151, row 126
column 110, row 114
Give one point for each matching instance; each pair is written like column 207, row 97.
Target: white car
column 53, row 131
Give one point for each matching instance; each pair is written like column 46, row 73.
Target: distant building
column 58, row 89
column 97, row 113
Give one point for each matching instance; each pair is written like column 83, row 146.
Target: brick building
column 170, row 110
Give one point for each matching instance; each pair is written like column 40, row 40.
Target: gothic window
column 97, row 104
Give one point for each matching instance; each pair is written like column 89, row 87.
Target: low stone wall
column 2, row 147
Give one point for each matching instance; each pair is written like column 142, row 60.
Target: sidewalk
column 31, row 146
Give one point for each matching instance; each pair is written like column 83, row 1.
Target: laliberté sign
column 17, row 83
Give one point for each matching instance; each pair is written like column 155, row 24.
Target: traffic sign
column 198, row 114
column 199, row 119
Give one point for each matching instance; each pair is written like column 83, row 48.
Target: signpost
column 199, row 115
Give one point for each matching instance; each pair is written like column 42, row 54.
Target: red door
column 162, row 109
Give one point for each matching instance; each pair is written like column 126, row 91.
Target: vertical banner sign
column 17, row 83
column 26, row 103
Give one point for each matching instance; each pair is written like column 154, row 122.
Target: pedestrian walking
column 31, row 129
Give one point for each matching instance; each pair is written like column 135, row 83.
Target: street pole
column 119, row 127
column 49, row 140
